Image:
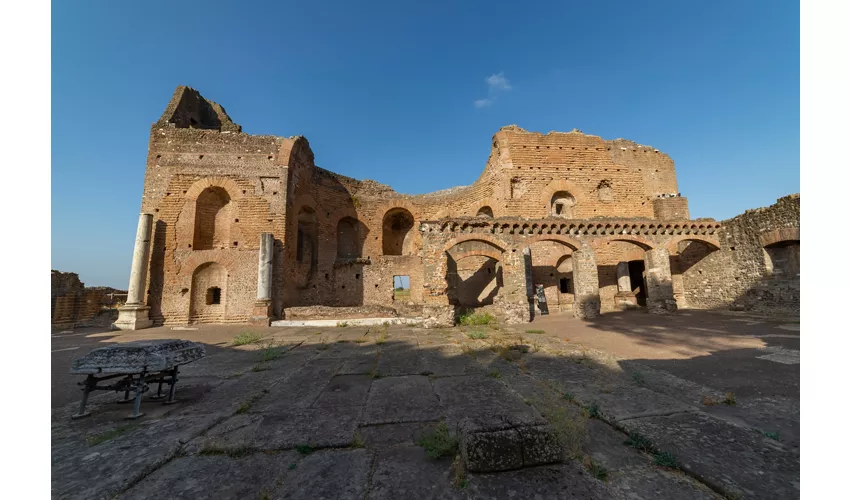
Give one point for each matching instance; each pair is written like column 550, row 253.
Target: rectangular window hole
column 213, row 296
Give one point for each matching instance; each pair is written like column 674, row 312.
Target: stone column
column 659, row 282
column 260, row 315
column 678, row 281
column 625, row 298
column 133, row 315
column 586, row 284
column 516, row 298
column 624, row 280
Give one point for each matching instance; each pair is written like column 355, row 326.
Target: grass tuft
column 246, row 338
column 477, row 335
column 538, row 332
column 595, row 469
column 108, row 435
column 358, row 442
column 439, row 443
column 639, row 442
column 638, row 379
column 729, row 399
column 342, row 324
column 772, row 435
column 304, row 449
column 495, row 373
column 666, row 459
column 470, row 318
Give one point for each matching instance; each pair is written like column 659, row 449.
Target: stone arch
column 397, row 232
column 233, row 190
column 208, row 297
column 349, row 241
column 474, row 271
column 778, row 235
column 644, row 244
column 561, row 204
column 485, row 211
column 564, row 240
column 501, row 246
column 213, row 219
column 672, row 246
column 562, row 185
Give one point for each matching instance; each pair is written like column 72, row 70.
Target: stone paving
column 337, row 413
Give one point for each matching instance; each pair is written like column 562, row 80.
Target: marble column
column 624, row 280
column 261, row 312
column 659, row 282
column 133, row 315
column 587, row 303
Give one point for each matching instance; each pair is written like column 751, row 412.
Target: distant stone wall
column 757, row 266
column 73, row 305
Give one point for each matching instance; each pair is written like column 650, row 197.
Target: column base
column 587, row 307
column 626, row 300
column 661, row 306
column 260, row 313
column 133, row 317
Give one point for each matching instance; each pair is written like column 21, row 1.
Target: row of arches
column 396, row 230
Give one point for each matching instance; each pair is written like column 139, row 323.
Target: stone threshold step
column 348, row 322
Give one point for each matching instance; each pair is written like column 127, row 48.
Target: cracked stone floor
column 337, row 412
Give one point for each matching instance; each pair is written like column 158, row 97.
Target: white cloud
column 498, row 82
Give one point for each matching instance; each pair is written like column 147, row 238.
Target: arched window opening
column 397, row 232
column 212, row 219
column 782, row 259
column 348, row 244
column 562, row 204
column 307, row 245
column 209, row 293
column 485, row 211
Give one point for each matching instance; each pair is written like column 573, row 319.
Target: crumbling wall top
column 189, row 109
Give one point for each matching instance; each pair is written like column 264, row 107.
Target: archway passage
column 208, row 298
column 212, row 219
column 479, row 279
column 552, row 268
column 348, row 241
column 398, row 232
column 637, row 273
column 562, row 204
column 782, row 259
column 485, row 211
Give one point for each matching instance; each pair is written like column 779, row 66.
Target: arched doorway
column 208, row 300
column 212, row 219
column 398, row 232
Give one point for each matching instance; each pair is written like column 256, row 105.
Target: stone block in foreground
column 501, row 449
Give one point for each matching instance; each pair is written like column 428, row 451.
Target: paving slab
column 109, row 467
column 401, row 399
column 566, row 481
column 485, row 401
column 651, row 483
column 730, row 458
column 408, row 473
column 400, row 360
column 344, row 391
column 302, row 388
column 319, row 428
column 213, row 477
column 327, row 475
column 386, row 435
column 447, row 360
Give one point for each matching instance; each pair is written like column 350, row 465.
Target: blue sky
column 410, row 93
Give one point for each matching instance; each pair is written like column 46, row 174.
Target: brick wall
column 72, row 304
column 208, row 184
column 738, row 274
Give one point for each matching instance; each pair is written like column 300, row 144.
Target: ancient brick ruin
column 72, row 304
column 238, row 228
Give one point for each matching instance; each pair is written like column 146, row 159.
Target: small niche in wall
column 213, row 296
column 357, row 276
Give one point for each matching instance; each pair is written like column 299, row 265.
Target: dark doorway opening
column 565, row 286
column 636, row 272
